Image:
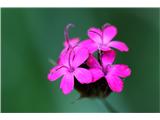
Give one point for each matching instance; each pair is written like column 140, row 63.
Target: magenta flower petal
column 109, row 33
column 114, row 82
column 96, row 74
column 89, row 44
column 64, row 56
column 108, row 57
column 80, row 55
column 83, row 75
column 72, row 42
column 121, row 46
column 67, row 83
column 56, row 72
column 92, row 62
column 121, row 70
column 104, row 48
column 95, row 34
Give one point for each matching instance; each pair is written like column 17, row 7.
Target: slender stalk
column 99, row 56
column 52, row 62
column 66, row 34
column 108, row 106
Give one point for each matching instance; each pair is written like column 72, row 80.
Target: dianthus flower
column 89, row 75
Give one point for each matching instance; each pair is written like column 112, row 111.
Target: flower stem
column 99, row 56
column 108, row 106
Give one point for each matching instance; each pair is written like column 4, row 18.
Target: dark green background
column 32, row 36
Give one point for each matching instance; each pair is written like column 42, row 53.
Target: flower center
column 107, row 69
column 71, row 69
column 102, row 46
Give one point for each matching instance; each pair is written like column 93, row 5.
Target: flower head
column 68, row 66
column 102, row 39
column 112, row 72
column 81, row 70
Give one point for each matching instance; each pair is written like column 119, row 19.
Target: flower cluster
column 83, row 70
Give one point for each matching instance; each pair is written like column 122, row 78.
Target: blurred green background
column 30, row 37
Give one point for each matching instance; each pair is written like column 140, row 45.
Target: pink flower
column 112, row 73
column 77, row 65
column 69, row 68
column 102, row 39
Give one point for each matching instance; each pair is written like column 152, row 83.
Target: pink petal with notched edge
column 62, row 54
column 80, row 56
column 114, row 82
column 96, row 74
column 121, row 46
column 72, row 42
column 56, row 72
column 64, row 57
column 67, row 83
column 83, row 75
column 92, row 62
column 95, row 34
column 121, row 70
column 89, row 44
column 108, row 57
column 109, row 33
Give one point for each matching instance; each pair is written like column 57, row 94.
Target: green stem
column 52, row 62
column 108, row 106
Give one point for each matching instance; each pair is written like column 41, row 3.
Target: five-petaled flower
column 77, row 62
column 112, row 73
column 102, row 39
